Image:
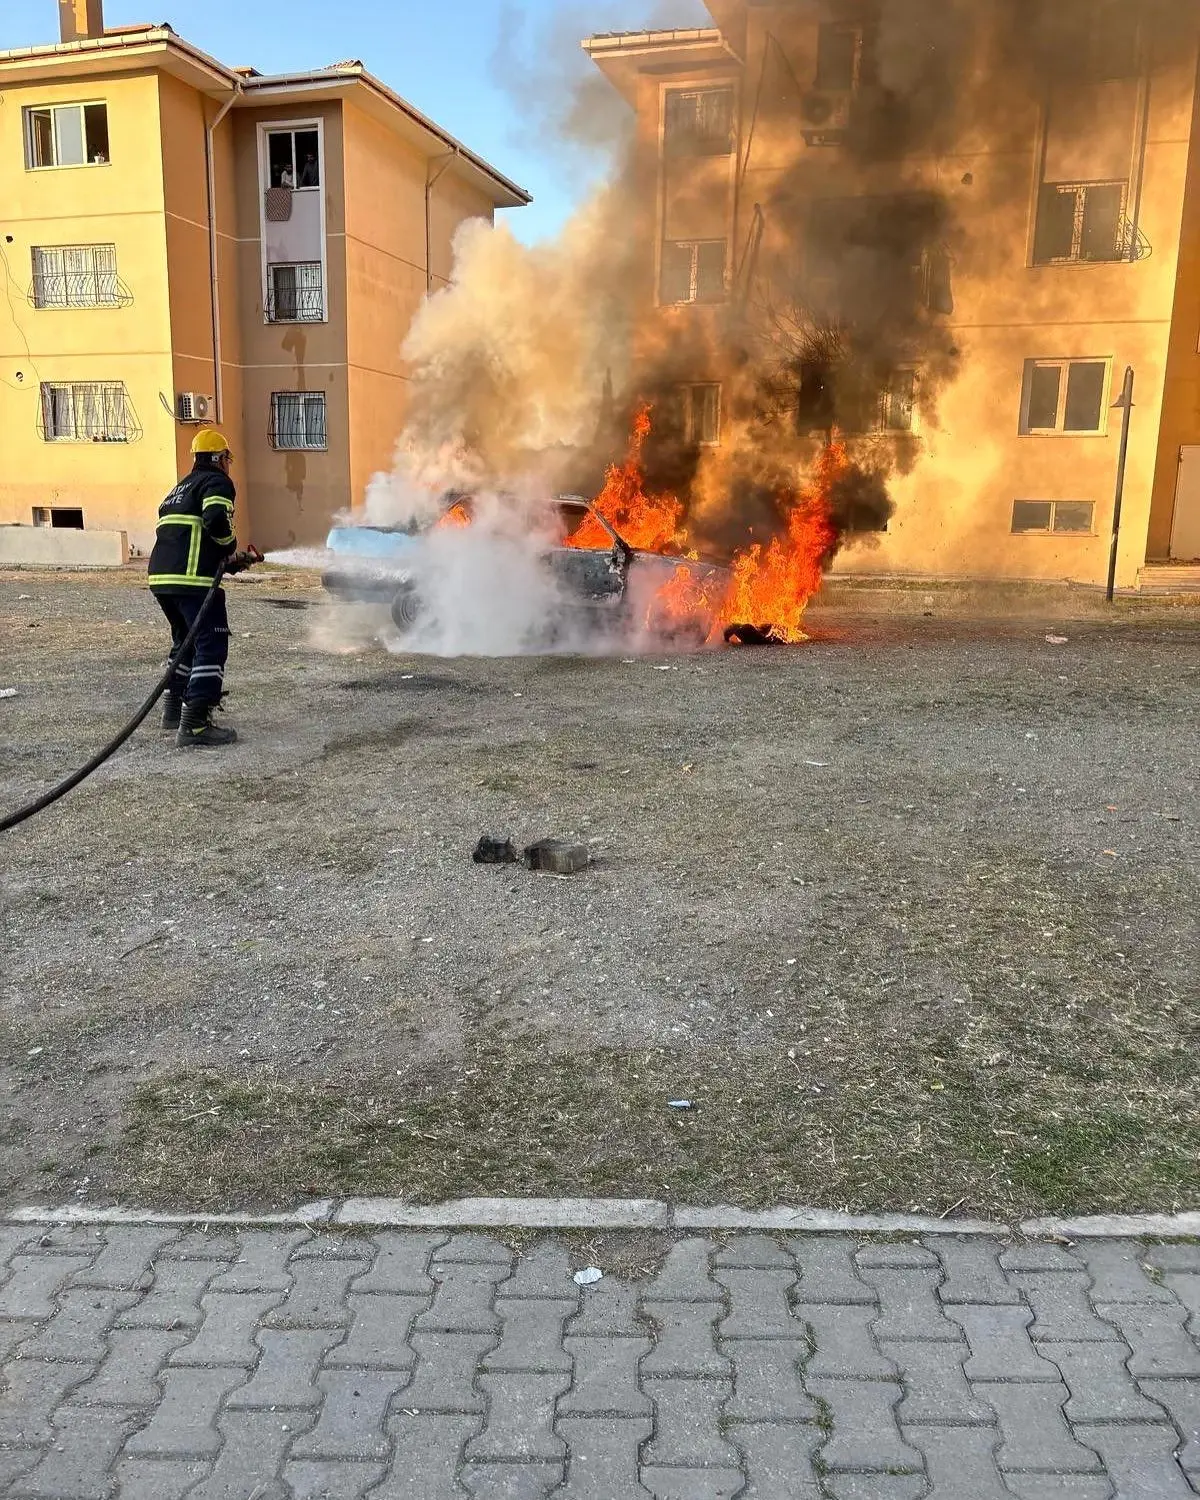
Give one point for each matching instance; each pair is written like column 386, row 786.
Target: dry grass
column 904, row 1122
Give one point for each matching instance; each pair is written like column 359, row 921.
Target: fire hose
column 235, row 564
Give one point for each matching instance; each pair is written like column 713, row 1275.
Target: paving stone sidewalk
column 153, row 1363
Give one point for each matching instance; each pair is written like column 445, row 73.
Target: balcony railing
column 295, row 295
column 90, row 289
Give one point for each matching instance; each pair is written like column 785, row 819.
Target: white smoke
column 509, row 362
column 486, row 589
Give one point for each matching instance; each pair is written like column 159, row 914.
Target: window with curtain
column 75, row 276
column 296, row 293
column 90, row 411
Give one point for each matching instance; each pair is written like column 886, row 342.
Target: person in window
column 309, row 175
column 194, row 539
column 286, row 179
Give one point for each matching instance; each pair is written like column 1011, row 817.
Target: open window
column 66, row 135
column 1081, row 221
column 294, row 158
column 89, row 411
column 700, row 414
column 295, row 293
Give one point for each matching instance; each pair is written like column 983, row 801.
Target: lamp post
column 1123, row 404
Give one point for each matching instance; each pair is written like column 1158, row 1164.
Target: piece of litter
column 24, row 596
column 821, row 765
column 589, row 1277
column 1112, row 853
column 8, row 692
column 1056, row 640
column 35, row 1052
column 680, row 1104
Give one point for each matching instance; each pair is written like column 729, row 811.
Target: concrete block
column 557, row 857
column 61, row 547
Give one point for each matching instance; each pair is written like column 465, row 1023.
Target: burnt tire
column 406, row 609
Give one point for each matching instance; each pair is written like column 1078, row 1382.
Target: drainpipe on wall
column 431, row 181
column 213, row 261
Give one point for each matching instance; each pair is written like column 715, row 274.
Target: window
column 1080, row 221
column 837, row 56
column 1064, row 396
column 1111, row 44
column 76, row 276
column 897, row 402
column 66, row 135
column 298, row 419
column 700, row 406
column 1057, row 517
column 64, row 516
column 94, row 411
column 294, row 158
column 693, row 271
column 295, row 294
column 699, row 122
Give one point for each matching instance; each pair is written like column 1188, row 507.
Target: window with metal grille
column 898, row 402
column 1064, row 396
column 66, row 135
column 698, row 122
column 295, row 293
column 77, row 276
column 1054, row 517
column 1082, row 221
column 700, row 408
column 298, row 419
column 693, row 271
column 92, row 411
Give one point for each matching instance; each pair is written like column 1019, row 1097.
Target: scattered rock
column 495, row 851
column 557, row 857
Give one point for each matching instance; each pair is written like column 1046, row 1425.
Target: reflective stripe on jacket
column 195, row 530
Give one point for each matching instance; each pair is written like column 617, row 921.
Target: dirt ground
column 908, row 916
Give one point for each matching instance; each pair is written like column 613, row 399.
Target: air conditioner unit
column 826, row 118
column 195, row 408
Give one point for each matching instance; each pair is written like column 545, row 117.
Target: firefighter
column 195, row 535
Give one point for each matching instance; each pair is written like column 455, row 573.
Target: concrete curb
column 620, row 1214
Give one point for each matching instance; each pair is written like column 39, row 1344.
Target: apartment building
column 1072, row 251
column 185, row 241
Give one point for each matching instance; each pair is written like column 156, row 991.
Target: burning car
column 605, row 589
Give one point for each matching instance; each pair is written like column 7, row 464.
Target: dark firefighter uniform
column 194, row 537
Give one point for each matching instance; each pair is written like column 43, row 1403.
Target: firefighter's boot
column 196, row 728
column 172, row 713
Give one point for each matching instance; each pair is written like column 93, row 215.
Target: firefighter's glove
column 240, row 561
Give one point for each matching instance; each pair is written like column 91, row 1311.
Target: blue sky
column 450, row 60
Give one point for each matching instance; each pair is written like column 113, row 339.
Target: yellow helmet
column 209, row 440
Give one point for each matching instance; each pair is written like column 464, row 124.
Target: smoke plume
column 836, row 315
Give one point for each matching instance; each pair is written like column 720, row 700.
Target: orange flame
column 650, row 523
column 772, row 584
column 456, row 518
